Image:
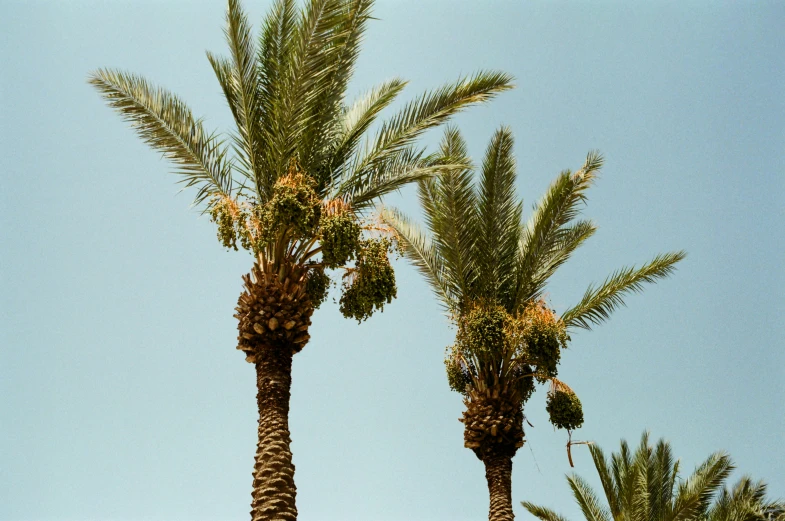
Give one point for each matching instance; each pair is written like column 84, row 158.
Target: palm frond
column 624, row 475
column 308, row 64
column 323, row 113
column 450, row 207
column 430, row 110
column 164, row 122
column 359, row 117
column 587, row 499
column 499, row 219
column 405, row 168
column 275, row 49
column 542, row 513
column 566, row 241
column 241, row 88
column 662, row 480
column 419, row 249
column 560, row 204
column 609, row 486
column 694, row 495
column 598, row 303
column 639, row 506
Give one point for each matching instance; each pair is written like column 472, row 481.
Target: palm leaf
column 694, row 496
column 566, row 241
column 499, row 219
column 359, row 117
column 559, row 206
column 587, row 500
column 326, row 102
column 598, row 303
column 450, row 208
column 307, row 66
column 608, row 484
column 164, row 122
column 399, row 171
column 421, row 252
column 275, row 49
column 241, row 87
column 429, row 110
column 545, row 514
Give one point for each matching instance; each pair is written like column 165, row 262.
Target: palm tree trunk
column 498, row 474
column 273, row 477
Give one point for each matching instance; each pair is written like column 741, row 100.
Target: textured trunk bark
column 273, row 477
column 498, row 473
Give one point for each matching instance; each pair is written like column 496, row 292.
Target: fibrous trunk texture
column 493, row 424
column 493, row 429
column 273, row 316
column 273, row 476
column 498, row 474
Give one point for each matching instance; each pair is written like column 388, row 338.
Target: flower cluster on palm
column 645, row 485
column 489, row 269
column 293, row 183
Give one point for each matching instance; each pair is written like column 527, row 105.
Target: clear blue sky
column 122, row 396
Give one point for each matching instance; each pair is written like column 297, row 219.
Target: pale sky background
column 122, row 396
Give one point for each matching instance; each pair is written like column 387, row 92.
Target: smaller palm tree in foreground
column 489, row 269
column 646, row 486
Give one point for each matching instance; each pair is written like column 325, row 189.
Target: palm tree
column 293, row 183
column 489, row 270
column 646, row 486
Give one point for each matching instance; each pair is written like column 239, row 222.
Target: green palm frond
column 165, row 123
column 640, row 507
column 359, row 117
column 427, row 111
column 316, row 36
column 560, row 204
column 275, row 50
column 542, row 513
column 399, row 171
column 587, row 500
column 662, row 479
column 450, row 207
column 608, row 484
column 566, row 241
column 243, row 83
column 623, row 475
column 326, row 104
column 598, row 303
column 694, row 495
column 420, row 250
column 641, row 486
column 499, row 219
column 746, row 501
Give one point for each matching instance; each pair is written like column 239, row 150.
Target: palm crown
column 299, row 152
column 487, row 266
column 645, row 485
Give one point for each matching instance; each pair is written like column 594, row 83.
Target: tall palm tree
column 489, row 269
column 646, row 486
column 292, row 184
